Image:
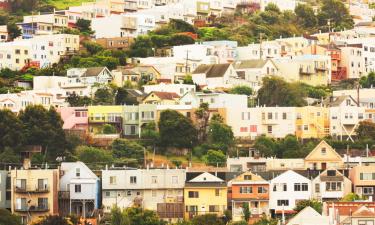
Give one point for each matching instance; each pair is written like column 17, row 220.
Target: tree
column 142, row 47
column 53, row 220
column 220, row 135
column 366, row 129
column 84, row 26
column 246, row 211
column 121, row 96
column 13, row 31
column 241, row 90
column 109, row 129
column 92, row 47
column 265, row 145
column 351, row 197
column 6, row 217
column 141, row 216
column 289, row 147
column 43, row 127
column 117, row 217
column 104, row 96
column 266, row 221
column 336, row 13
column 176, row 130
column 188, row 79
column 180, row 39
column 126, row 148
column 75, row 100
column 306, row 16
column 202, row 115
column 317, row 205
column 368, row 81
column 93, row 155
column 11, row 130
column 150, row 136
column 208, row 219
column 215, row 158
column 8, row 156
column 181, row 26
column 277, row 92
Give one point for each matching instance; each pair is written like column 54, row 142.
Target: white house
column 268, row 49
column 215, row 100
column 286, row 189
column 196, row 52
column 308, row 216
column 214, row 75
column 148, row 188
column 81, row 189
column 282, row 4
column 124, row 25
column 83, row 81
column 352, row 58
column 180, row 89
column 368, row 53
column 331, row 185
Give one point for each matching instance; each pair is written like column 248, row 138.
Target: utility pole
column 187, row 61
column 260, row 45
column 329, row 25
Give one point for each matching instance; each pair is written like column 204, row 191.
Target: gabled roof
column 336, row 101
column 135, row 93
column 363, row 211
column 308, row 216
column 323, row 143
column 255, row 63
column 93, row 71
column 290, row 172
column 212, row 70
column 69, row 167
column 164, row 95
column 206, row 178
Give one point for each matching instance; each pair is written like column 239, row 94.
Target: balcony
column 335, row 56
column 303, row 71
column 31, row 189
column 117, row 119
column 32, row 208
column 321, row 68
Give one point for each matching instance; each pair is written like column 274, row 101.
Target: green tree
column 220, row 135
column 188, row 79
column 241, row 90
column 11, row 130
column 317, row 205
column 266, row 146
column 368, row 81
column 246, row 211
column 43, row 127
column 336, row 13
column 142, row 47
column 126, row 148
column 202, row 115
column 141, row 216
column 208, row 219
column 289, row 147
column 277, row 92
column 215, row 158
column 8, row 156
column 84, row 26
column 92, row 47
column 181, row 26
column 13, row 31
column 7, row 218
column 75, row 100
column 121, row 96
column 266, row 221
column 117, row 217
column 53, row 220
column 88, row 154
column 176, row 130
column 306, row 16
column 150, row 135
column 180, row 39
column 366, row 129
column 109, row 129
column 351, row 197
column 103, row 96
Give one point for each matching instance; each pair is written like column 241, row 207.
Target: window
column 193, row 194
column 217, row 192
column 368, row 190
column 262, row 190
column 247, row 177
column 324, row 151
column 154, row 194
column 107, row 194
column 246, row 190
column 284, row 116
column 269, row 129
column 129, row 193
column 317, row 188
column 77, row 188
column 78, row 172
column 174, row 180
column 269, row 116
column 214, row 208
column 331, row 173
column 133, row 179
column 297, row 187
column 154, row 179
column 282, row 202
column 367, row 176
column 112, row 180
column 305, row 187
column 285, row 187
column 333, row 186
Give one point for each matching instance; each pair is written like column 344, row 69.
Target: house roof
column 336, row 101
column 212, row 70
column 309, row 216
column 135, row 92
column 310, row 156
column 165, row 95
column 255, row 63
column 93, row 71
column 363, row 211
column 129, row 72
column 206, row 178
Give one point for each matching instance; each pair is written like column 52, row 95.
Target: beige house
column 323, row 156
column 161, row 98
column 331, row 185
column 363, row 178
column 34, row 193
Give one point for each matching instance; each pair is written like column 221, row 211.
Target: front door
column 324, row 166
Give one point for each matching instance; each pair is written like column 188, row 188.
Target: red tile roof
column 165, row 95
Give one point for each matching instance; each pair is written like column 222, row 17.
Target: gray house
column 5, row 191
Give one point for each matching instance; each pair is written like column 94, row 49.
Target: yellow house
column 312, row 122
column 34, row 193
column 323, row 156
column 161, row 98
column 102, row 115
column 205, row 194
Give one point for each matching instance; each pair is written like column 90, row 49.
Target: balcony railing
column 33, row 208
column 32, row 189
column 117, row 119
column 64, row 194
column 305, row 71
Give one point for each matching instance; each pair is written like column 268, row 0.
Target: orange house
column 251, row 189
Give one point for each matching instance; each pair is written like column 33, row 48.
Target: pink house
column 75, row 118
